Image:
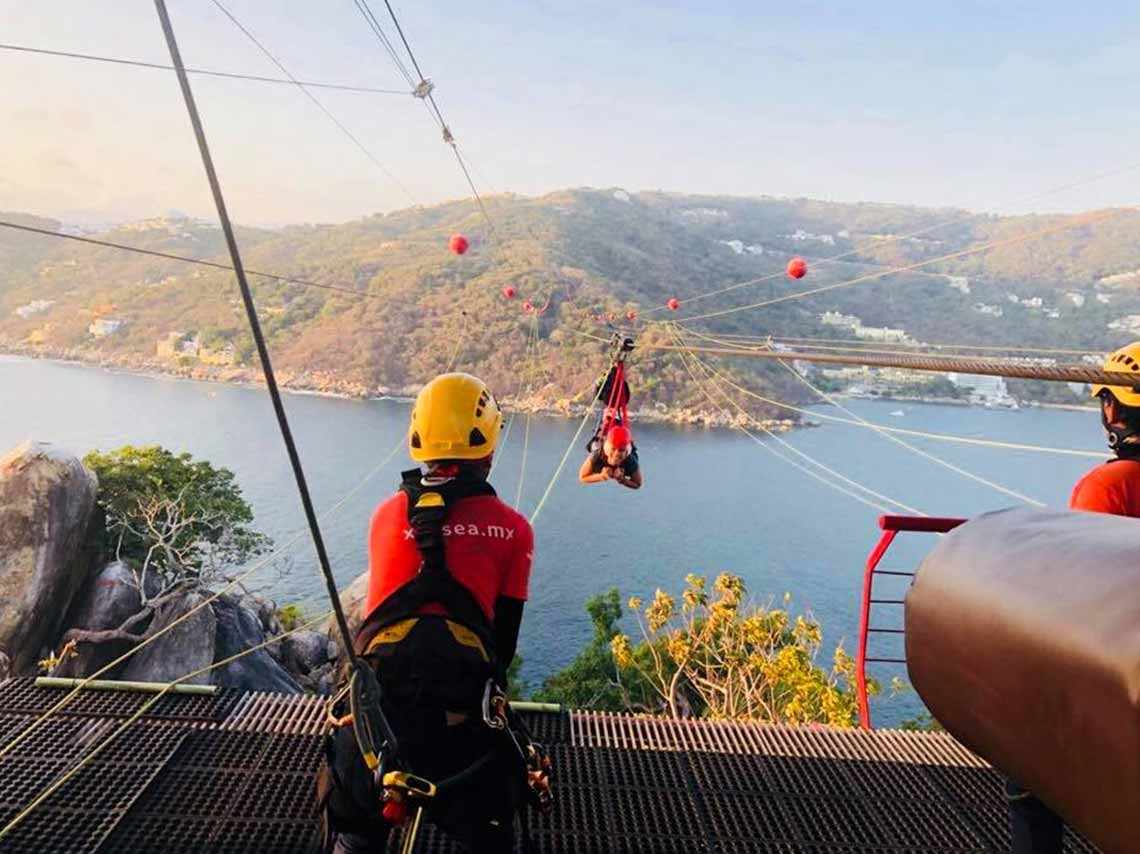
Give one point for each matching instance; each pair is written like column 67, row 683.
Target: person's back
column 449, row 567
column 488, row 547
column 1113, row 487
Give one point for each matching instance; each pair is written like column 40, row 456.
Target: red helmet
column 619, row 436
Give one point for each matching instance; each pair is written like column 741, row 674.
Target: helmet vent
column 476, row 438
column 416, row 440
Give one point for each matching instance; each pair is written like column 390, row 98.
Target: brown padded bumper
column 1023, row 640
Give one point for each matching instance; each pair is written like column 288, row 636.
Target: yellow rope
column 566, row 455
column 1081, row 219
column 458, row 342
column 528, row 372
column 796, row 451
column 88, row 757
column 209, row 600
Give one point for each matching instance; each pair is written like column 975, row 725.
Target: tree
column 592, row 681
column 718, row 657
column 175, row 520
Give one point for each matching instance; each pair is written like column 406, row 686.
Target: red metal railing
column 890, row 526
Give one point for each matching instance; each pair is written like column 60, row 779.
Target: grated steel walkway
column 234, row 773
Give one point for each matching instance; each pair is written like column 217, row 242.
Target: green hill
column 582, row 253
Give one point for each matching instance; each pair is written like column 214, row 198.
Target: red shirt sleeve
column 1093, row 495
column 517, row 580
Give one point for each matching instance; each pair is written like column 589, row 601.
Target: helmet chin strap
column 1119, row 436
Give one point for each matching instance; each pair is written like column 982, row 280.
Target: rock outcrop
column 47, row 509
column 186, row 648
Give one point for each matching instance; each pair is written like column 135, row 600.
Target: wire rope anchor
column 423, row 89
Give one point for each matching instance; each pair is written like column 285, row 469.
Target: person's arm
column 511, row 598
column 508, row 620
column 586, row 474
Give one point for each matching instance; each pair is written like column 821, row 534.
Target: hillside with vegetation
column 581, row 254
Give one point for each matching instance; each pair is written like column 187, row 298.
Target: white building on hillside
column 988, row 391
column 101, row 327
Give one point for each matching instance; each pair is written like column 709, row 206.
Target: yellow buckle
column 409, row 784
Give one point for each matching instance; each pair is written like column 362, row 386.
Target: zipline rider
column 449, row 567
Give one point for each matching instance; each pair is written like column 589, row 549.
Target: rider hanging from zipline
column 612, row 454
column 449, row 566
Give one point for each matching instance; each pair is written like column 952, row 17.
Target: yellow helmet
column 455, row 418
column 1125, row 359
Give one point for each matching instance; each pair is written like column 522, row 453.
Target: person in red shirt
column 1112, row 487
column 444, row 607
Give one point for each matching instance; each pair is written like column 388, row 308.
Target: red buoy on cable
column 797, row 268
column 509, row 292
column 631, row 315
column 458, row 244
column 673, row 304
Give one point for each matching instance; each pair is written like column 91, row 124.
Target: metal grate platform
column 196, row 780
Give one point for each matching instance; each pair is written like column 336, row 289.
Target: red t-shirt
column 1113, row 487
column 487, row 545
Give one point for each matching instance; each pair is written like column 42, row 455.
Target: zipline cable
column 842, row 346
column 962, row 365
column 831, row 259
column 424, row 90
column 319, row 104
column 389, row 48
column 113, row 60
column 1080, row 219
column 912, row 448
column 919, row 434
column 830, row 483
column 186, row 259
column 904, row 444
column 859, row 343
column 259, row 339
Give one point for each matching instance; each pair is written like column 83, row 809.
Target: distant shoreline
column 246, row 378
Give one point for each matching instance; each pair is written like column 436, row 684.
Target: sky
column 996, row 106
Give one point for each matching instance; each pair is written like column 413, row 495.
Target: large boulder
column 111, row 599
column 186, row 648
column 239, row 629
column 308, row 650
column 47, row 509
